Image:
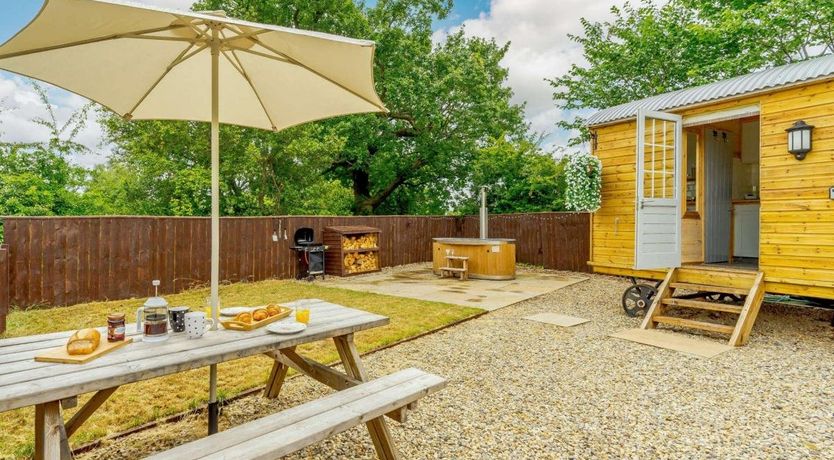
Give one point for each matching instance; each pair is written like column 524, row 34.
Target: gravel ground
column 520, row 389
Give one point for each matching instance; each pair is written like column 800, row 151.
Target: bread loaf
column 83, row 342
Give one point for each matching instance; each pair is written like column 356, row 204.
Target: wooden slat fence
column 4, row 286
column 69, row 260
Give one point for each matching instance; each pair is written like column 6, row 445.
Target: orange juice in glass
column 302, row 315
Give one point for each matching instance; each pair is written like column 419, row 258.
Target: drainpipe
column 484, row 217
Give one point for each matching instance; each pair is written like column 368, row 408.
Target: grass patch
column 141, row 402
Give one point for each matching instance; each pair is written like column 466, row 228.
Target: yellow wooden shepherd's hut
column 725, row 189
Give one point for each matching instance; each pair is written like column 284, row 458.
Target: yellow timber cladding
column 796, row 231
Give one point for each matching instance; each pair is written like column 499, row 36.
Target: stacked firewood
column 361, row 262
column 360, row 242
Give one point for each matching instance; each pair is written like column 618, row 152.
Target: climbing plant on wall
column 583, row 176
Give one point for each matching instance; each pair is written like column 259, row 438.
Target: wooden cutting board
column 60, row 355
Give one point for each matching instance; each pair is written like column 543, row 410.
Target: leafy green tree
column 36, row 178
column 519, row 178
column 164, row 167
column 656, row 47
column 107, row 191
column 780, row 31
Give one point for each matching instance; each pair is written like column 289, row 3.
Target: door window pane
column 659, row 159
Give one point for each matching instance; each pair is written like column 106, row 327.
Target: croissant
column 272, row 310
column 260, row 314
column 244, row 318
column 83, row 342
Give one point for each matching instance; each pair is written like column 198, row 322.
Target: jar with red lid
column 115, row 327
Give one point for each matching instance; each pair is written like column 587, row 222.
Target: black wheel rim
column 637, row 299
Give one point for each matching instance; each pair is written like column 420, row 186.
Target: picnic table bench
column 51, row 387
column 293, row 429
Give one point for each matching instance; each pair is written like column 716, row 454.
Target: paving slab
column 674, row 342
column 557, row 319
column 419, row 282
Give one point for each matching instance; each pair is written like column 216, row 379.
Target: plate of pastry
column 256, row 317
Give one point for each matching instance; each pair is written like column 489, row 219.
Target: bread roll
column 83, row 342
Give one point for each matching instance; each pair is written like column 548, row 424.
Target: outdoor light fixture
column 594, row 141
column 799, row 139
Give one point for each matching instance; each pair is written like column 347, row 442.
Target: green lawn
column 141, row 402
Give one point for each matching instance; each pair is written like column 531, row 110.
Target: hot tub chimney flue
column 484, row 217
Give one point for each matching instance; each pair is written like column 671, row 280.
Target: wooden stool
column 462, row 271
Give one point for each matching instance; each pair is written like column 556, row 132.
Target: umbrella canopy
column 154, row 63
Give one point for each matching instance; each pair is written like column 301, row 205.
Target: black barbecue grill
column 310, row 255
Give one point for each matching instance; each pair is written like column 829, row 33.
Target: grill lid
column 303, row 236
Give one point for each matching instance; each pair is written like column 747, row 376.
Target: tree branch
column 374, row 201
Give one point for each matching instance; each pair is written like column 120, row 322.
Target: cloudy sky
column 537, row 30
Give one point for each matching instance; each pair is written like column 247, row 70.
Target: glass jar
column 115, row 327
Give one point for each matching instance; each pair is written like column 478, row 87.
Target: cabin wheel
column 637, row 299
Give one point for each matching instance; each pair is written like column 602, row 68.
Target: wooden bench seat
column 293, row 429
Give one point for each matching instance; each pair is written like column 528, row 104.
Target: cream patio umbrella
column 154, row 63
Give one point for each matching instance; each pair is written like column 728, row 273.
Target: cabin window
column 691, row 174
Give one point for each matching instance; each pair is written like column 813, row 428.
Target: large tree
column 446, row 101
column 652, row 48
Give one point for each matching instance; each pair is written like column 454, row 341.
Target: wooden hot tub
column 490, row 259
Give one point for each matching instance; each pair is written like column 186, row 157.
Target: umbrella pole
column 215, row 220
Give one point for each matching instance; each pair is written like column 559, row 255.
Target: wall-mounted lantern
column 799, row 139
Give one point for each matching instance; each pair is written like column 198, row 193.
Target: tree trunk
column 361, row 192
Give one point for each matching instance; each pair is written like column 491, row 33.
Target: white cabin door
column 658, row 229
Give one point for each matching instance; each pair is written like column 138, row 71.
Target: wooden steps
column 694, row 324
column 708, row 280
column 701, row 305
column 708, row 288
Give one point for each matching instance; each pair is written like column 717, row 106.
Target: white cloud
column 540, row 48
column 19, row 104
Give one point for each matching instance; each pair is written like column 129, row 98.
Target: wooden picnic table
column 51, row 387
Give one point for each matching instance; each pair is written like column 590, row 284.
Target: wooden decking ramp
column 748, row 285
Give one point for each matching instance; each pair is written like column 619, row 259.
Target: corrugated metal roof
column 811, row 69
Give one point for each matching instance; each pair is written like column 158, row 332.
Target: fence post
column 4, row 286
